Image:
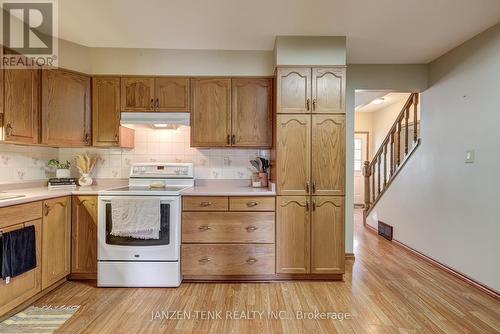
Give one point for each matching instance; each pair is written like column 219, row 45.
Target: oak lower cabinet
column 106, row 128
column 310, row 235
column 56, row 236
column 23, row 287
column 227, row 238
column 21, row 106
column 66, row 108
column 84, row 237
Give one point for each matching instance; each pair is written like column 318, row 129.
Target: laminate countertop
column 38, row 192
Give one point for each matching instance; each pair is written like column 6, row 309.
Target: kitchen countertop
column 227, row 188
column 38, row 191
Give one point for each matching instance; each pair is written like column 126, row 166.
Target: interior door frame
column 367, row 155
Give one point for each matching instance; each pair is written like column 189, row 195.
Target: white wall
column 439, row 205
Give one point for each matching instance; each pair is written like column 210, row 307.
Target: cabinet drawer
column 228, row 227
column 227, row 259
column 21, row 213
column 251, row 203
column 205, row 203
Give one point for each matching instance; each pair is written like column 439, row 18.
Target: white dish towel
column 138, row 218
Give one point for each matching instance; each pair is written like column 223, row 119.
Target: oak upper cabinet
column 137, row 94
column 293, row 94
column 172, row 94
column 327, row 235
column 66, row 108
column 211, row 112
column 84, row 236
column 21, row 97
column 293, row 235
column 328, row 90
column 251, row 116
column 328, row 155
column 56, row 243
column 293, row 154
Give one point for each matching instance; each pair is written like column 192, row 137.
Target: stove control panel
column 161, row 170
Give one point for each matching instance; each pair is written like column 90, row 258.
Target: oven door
column 166, row 248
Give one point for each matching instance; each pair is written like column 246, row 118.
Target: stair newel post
column 392, row 153
column 367, row 174
column 407, row 116
column 415, row 116
column 385, row 163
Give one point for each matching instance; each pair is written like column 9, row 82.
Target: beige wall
column 450, row 214
column 364, row 123
column 310, row 50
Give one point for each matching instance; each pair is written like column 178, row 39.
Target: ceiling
column 378, row 32
column 363, row 99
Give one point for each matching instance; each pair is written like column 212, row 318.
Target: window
column 358, row 161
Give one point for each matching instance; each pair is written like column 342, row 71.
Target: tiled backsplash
column 165, row 145
column 25, row 163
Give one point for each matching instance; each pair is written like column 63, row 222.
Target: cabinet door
column 293, row 154
column 328, row 90
column 21, row 106
column 66, row 109
column 56, row 235
column 106, row 111
column 1, row 91
column 293, row 91
column 137, row 94
column 327, row 235
column 211, row 114
column 252, row 112
column 328, row 154
column 172, row 94
column 292, row 235
column 84, row 235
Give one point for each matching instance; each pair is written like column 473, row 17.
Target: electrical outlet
column 469, row 156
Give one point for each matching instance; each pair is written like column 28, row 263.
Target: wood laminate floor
column 386, row 290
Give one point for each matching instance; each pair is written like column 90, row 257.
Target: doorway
column 361, row 145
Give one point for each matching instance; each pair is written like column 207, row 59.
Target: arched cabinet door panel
column 328, row 90
column 293, row 90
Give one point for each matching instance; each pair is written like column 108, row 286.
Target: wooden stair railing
column 392, row 154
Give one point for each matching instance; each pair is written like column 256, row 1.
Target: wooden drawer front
column 205, row 203
column 21, row 213
column 24, row 286
column 228, row 227
column 227, row 259
column 251, row 203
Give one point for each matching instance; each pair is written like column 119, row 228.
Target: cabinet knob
column 9, row 130
column 204, row 228
column 205, row 203
column 252, row 204
column 204, row 260
column 252, row 260
column 251, row 228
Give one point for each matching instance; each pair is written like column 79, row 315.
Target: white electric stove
column 129, row 262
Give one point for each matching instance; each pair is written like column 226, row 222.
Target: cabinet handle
column 152, row 104
column 229, row 139
column 307, row 187
column 86, row 138
column 313, row 187
column 252, row 204
column 252, row 260
column 314, row 205
column 251, row 228
column 117, row 138
column 157, row 104
column 308, row 102
column 233, row 139
column 9, row 130
column 307, row 205
column 205, row 203
column 204, row 260
column 314, row 104
column 204, row 228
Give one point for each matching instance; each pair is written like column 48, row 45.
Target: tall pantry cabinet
column 309, row 170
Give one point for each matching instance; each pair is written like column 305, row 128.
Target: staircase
column 399, row 144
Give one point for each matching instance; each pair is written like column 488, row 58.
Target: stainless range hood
column 151, row 118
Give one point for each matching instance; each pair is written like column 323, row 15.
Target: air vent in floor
column 385, row 230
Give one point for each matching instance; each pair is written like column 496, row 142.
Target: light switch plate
column 469, row 156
